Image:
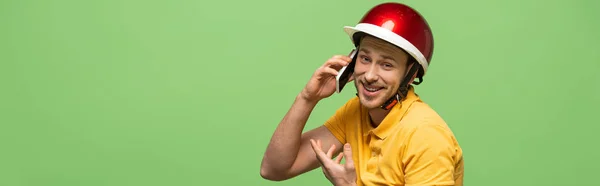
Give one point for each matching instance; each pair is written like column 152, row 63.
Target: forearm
column 285, row 143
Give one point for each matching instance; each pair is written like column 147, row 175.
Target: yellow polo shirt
column 412, row 145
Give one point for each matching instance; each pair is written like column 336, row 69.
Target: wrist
column 302, row 97
column 351, row 184
column 344, row 182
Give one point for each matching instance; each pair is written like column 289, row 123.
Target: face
column 380, row 67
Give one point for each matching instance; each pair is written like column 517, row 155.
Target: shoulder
column 430, row 151
column 428, row 139
column 421, row 115
column 351, row 106
column 349, row 110
column 353, row 103
column 338, row 122
column 422, row 124
column 427, row 143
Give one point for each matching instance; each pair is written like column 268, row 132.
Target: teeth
column 371, row 89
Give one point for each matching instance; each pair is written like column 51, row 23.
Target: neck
column 377, row 115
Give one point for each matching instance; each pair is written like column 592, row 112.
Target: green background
column 181, row 92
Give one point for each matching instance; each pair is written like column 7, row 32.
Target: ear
column 410, row 68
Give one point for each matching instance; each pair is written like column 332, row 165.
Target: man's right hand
column 322, row 83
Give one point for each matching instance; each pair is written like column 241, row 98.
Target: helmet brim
column 390, row 37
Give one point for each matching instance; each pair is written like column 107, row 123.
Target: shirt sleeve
column 336, row 125
column 430, row 157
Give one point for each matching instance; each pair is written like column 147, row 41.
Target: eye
column 388, row 65
column 365, row 59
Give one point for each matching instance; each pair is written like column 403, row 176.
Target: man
column 387, row 134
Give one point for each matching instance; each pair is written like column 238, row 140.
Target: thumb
column 348, row 155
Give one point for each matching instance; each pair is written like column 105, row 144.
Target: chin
column 372, row 100
column 370, row 103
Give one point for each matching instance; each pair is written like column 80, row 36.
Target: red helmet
column 400, row 25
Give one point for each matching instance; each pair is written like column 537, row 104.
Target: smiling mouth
column 372, row 88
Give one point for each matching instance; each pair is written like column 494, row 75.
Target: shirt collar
column 393, row 117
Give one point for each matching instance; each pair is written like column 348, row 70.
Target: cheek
column 358, row 73
column 359, row 69
column 391, row 79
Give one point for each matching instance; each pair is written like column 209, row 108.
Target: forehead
column 380, row 46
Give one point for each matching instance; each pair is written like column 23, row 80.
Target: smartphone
column 344, row 74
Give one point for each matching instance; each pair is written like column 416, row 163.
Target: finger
column 320, row 145
column 336, row 63
column 329, row 71
column 330, row 151
column 342, row 57
column 316, row 146
column 338, row 159
column 326, row 155
column 348, row 155
column 318, row 152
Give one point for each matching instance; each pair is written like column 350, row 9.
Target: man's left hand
column 338, row 174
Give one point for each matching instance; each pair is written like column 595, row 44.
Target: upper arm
column 430, row 158
column 306, row 159
column 332, row 132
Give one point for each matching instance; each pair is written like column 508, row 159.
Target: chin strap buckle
column 391, row 102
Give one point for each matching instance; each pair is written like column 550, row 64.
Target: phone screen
column 345, row 73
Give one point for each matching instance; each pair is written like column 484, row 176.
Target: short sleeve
column 430, row 157
column 336, row 124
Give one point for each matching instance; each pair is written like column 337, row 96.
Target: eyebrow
column 388, row 57
column 365, row 50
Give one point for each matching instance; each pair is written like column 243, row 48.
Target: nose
column 371, row 75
